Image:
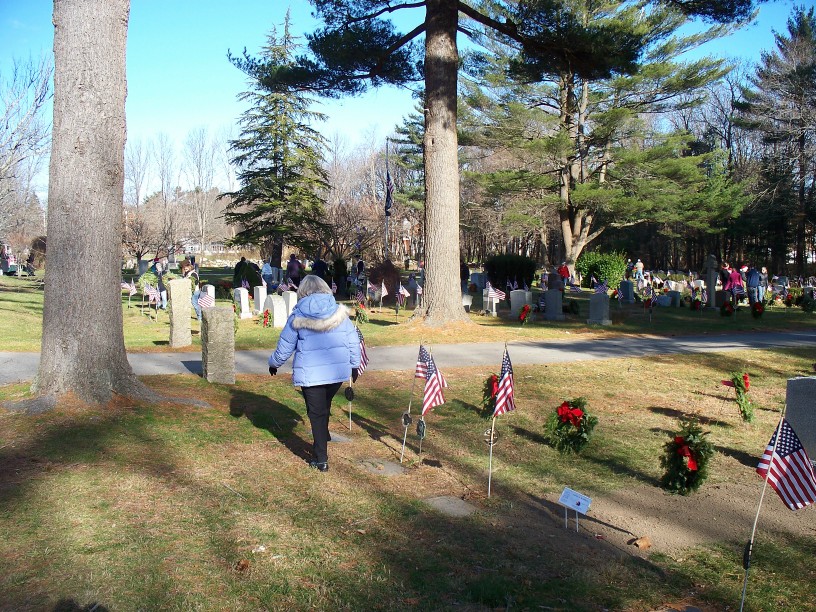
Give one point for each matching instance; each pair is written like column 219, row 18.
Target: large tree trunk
column 443, row 299
column 83, row 349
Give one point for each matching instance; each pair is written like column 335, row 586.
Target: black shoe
column 320, row 466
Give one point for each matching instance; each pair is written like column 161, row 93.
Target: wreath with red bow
column 741, row 383
column 570, row 427
column 489, row 391
column 686, row 458
column 525, row 312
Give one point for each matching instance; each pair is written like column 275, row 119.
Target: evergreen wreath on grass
column 757, row 310
column 489, row 391
column 742, row 382
column 726, row 310
column 362, row 313
column 570, row 427
column 686, row 458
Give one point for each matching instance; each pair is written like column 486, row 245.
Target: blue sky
column 179, row 77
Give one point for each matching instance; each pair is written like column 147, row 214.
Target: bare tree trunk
column 83, row 349
column 443, row 299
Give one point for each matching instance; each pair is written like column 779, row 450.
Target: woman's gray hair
column 312, row 284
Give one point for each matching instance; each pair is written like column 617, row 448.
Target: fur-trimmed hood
column 318, row 312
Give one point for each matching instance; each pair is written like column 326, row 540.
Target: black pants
column 318, row 407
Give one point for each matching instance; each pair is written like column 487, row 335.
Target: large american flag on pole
column 493, row 293
column 434, row 383
column 363, row 353
column 787, row 468
column 505, row 396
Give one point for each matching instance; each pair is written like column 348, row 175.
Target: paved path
column 15, row 367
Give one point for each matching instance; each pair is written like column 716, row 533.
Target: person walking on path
column 327, row 352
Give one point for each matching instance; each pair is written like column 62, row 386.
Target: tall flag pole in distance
column 786, row 466
column 505, row 402
column 419, row 372
column 389, row 195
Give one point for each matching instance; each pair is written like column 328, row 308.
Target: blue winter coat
column 323, row 339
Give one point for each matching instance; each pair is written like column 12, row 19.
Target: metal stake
column 490, row 461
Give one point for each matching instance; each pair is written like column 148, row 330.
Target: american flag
column 788, row 468
column 363, row 353
column 509, row 285
column 205, row 300
column 383, row 290
column 434, row 382
column 593, row 280
column 525, row 287
column 505, row 400
column 389, row 193
column 422, row 363
column 419, row 289
column 130, row 288
column 371, row 287
column 515, row 283
column 704, row 296
column 334, row 286
column 574, row 288
column 360, row 297
column 601, row 288
column 152, row 293
column 245, row 284
column 493, row 293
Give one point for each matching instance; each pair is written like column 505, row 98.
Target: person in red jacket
column 563, row 272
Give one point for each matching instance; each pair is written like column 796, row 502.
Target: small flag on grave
column 493, row 293
column 205, row 300
column 505, row 396
column 363, row 353
column 787, row 467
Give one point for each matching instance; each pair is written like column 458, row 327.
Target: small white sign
column 576, row 501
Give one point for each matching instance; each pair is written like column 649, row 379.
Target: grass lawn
column 177, row 507
column 144, row 331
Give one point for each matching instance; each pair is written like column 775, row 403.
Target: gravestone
column 276, row 307
column 801, row 411
column 143, row 266
column 674, row 298
column 490, row 304
column 467, row 301
column 241, row 298
column 259, row 298
column 209, row 290
column 180, row 292
column 518, row 298
column 599, row 309
column 627, row 291
column 711, row 280
column 721, row 297
column 218, row 345
column 554, row 281
column 478, row 279
column 554, row 299
column 289, row 300
column 698, row 284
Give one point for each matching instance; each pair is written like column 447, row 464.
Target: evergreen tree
column 360, row 46
column 782, row 107
column 278, row 159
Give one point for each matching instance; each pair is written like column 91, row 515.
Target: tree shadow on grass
column 530, row 435
column 269, row 415
column 676, row 414
column 746, row 459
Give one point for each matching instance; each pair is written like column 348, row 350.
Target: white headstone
column 467, row 301
column 259, row 298
column 490, row 304
column 241, row 298
column 289, row 299
column 518, row 298
column 554, row 299
column 599, row 309
column 675, row 298
column 276, row 307
column 209, row 290
column 698, row 284
column 478, row 279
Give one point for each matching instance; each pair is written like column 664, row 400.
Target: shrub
column 606, row 267
column 686, row 458
column 502, row 268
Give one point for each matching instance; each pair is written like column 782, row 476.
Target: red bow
column 746, row 381
column 684, row 451
column 727, row 383
column 567, row 413
column 494, row 386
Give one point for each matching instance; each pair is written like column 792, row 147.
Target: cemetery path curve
column 18, row 367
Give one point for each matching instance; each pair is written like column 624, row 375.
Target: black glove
column 272, row 371
column 354, row 374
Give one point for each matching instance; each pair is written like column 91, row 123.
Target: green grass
column 161, row 506
column 144, row 330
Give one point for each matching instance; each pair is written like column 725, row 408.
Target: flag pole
column 351, row 382
column 410, row 400
column 490, row 461
column 387, row 212
column 749, row 547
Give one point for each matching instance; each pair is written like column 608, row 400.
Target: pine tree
column 278, row 157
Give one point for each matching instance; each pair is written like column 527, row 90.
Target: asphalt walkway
column 18, row 367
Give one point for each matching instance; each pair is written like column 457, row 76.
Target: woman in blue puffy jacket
column 327, row 352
